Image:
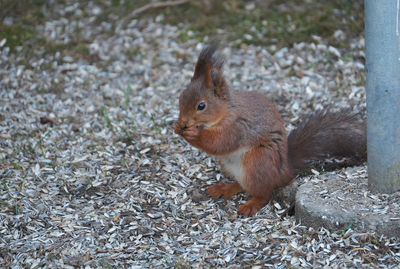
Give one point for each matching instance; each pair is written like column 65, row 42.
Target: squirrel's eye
column 201, row 106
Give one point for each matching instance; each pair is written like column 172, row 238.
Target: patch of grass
column 131, row 53
column 16, row 35
column 347, row 58
column 82, row 48
column 266, row 22
column 21, row 185
column 104, row 263
column 16, row 165
column 182, row 264
column 127, row 136
column 23, row 16
column 40, row 142
column 127, row 95
column 118, row 7
column 18, row 21
column 4, row 187
column 274, row 22
column 106, row 117
column 347, row 228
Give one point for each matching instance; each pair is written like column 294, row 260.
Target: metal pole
column 382, row 39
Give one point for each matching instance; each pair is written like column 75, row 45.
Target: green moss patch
column 266, row 22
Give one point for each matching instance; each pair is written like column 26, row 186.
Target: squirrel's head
column 204, row 102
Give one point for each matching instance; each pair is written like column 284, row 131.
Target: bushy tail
column 327, row 134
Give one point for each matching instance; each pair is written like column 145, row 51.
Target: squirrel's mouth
column 180, row 128
column 200, row 127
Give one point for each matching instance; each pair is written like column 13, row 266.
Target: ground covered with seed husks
column 91, row 174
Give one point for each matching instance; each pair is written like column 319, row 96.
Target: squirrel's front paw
column 191, row 134
column 215, row 190
column 176, row 127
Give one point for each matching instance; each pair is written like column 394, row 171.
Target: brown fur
column 234, row 122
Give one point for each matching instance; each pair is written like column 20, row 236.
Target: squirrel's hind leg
column 224, row 189
column 264, row 170
column 253, row 205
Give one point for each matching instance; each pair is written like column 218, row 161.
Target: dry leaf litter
column 93, row 176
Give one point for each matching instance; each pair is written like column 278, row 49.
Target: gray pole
column 382, row 40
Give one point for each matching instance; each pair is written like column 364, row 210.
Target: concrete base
column 341, row 200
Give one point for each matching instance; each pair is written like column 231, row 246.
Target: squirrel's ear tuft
column 207, row 61
column 209, row 69
column 215, row 77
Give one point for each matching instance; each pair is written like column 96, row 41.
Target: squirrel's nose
column 182, row 129
column 179, row 127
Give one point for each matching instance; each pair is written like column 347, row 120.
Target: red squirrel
column 246, row 133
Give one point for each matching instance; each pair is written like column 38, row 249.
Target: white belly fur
column 232, row 164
